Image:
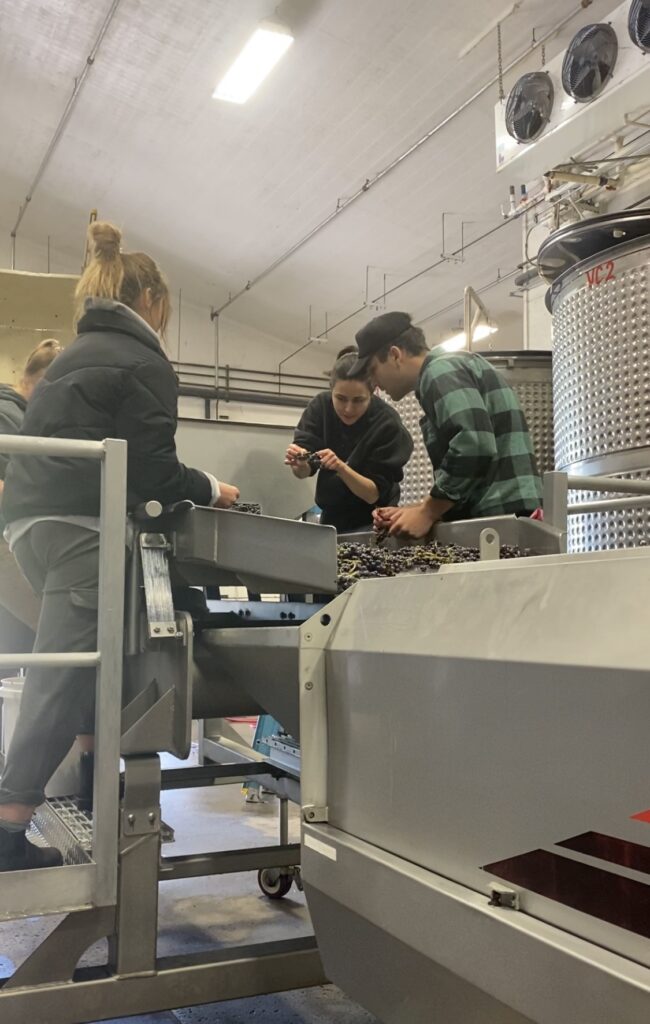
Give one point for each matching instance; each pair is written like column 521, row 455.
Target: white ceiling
column 217, row 192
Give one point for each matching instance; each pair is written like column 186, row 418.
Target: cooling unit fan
column 529, row 106
column 589, row 62
column 639, row 24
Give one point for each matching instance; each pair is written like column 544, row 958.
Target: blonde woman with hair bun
column 114, row 380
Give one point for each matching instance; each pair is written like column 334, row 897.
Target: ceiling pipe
column 60, row 128
column 427, row 270
column 344, row 204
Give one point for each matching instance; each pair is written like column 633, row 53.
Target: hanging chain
column 502, row 94
column 543, row 55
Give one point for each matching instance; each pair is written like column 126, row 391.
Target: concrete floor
column 197, row 914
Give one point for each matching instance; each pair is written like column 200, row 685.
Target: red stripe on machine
column 641, row 816
column 613, row 898
column 616, row 851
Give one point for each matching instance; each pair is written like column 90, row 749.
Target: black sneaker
column 18, row 854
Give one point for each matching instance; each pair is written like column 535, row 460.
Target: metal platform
column 60, row 823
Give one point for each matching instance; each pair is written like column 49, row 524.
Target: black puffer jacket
column 12, row 411
column 113, row 381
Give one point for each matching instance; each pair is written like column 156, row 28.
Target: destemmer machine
column 474, row 779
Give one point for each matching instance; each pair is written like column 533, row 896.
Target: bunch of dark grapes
column 247, row 506
column 358, row 561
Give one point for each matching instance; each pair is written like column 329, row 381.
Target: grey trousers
column 15, row 593
column 61, row 562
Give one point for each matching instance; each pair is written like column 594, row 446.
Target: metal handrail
column 100, row 886
column 610, row 484
column 233, row 383
column 629, row 494
column 52, row 446
column 87, row 659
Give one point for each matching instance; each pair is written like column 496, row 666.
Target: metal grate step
column 61, row 824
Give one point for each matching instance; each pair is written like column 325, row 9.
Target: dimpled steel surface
column 601, row 383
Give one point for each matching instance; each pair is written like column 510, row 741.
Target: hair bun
column 104, row 240
column 348, row 351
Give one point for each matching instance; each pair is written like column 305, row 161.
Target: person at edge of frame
column 19, row 606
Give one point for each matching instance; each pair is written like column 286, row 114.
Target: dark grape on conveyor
column 357, row 561
column 250, row 507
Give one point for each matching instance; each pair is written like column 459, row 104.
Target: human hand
column 229, row 494
column 293, row 453
column 330, row 460
column 412, row 521
column 382, row 517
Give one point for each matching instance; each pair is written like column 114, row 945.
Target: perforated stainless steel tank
column 601, row 365
column 529, row 374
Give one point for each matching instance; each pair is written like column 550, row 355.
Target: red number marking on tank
column 601, row 274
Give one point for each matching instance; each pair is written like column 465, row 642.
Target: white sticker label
column 322, row 848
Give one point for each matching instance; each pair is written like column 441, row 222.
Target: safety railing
column 558, row 485
column 74, row 887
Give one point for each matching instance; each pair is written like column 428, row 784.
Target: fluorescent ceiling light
column 459, row 341
column 262, row 52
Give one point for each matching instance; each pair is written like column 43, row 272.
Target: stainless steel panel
column 601, row 381
column 457, row 703
column 365, row 961
column 414, row 947
column 215, row 547
column 529, row 374
column 418, row 474
column 248, row 671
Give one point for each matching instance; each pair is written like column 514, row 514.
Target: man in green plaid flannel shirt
column 473, row 427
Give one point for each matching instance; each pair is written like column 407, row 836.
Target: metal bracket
column 141, row 816
column 634, row 121
column 159, row 717
column 157, row 586
column 314, row 814
column 142, row 822
column 453, row 257
column 555, row 501
column 489, row 545
column 502, row 896
column 473, row 311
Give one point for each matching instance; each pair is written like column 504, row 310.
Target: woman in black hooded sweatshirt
column 362, row 446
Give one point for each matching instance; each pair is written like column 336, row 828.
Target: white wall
column 190, row 335
column 193, row 337
column 251, row 457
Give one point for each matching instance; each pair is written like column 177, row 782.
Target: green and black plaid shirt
column 477, row 438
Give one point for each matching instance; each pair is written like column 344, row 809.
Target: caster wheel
column 273, row 883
